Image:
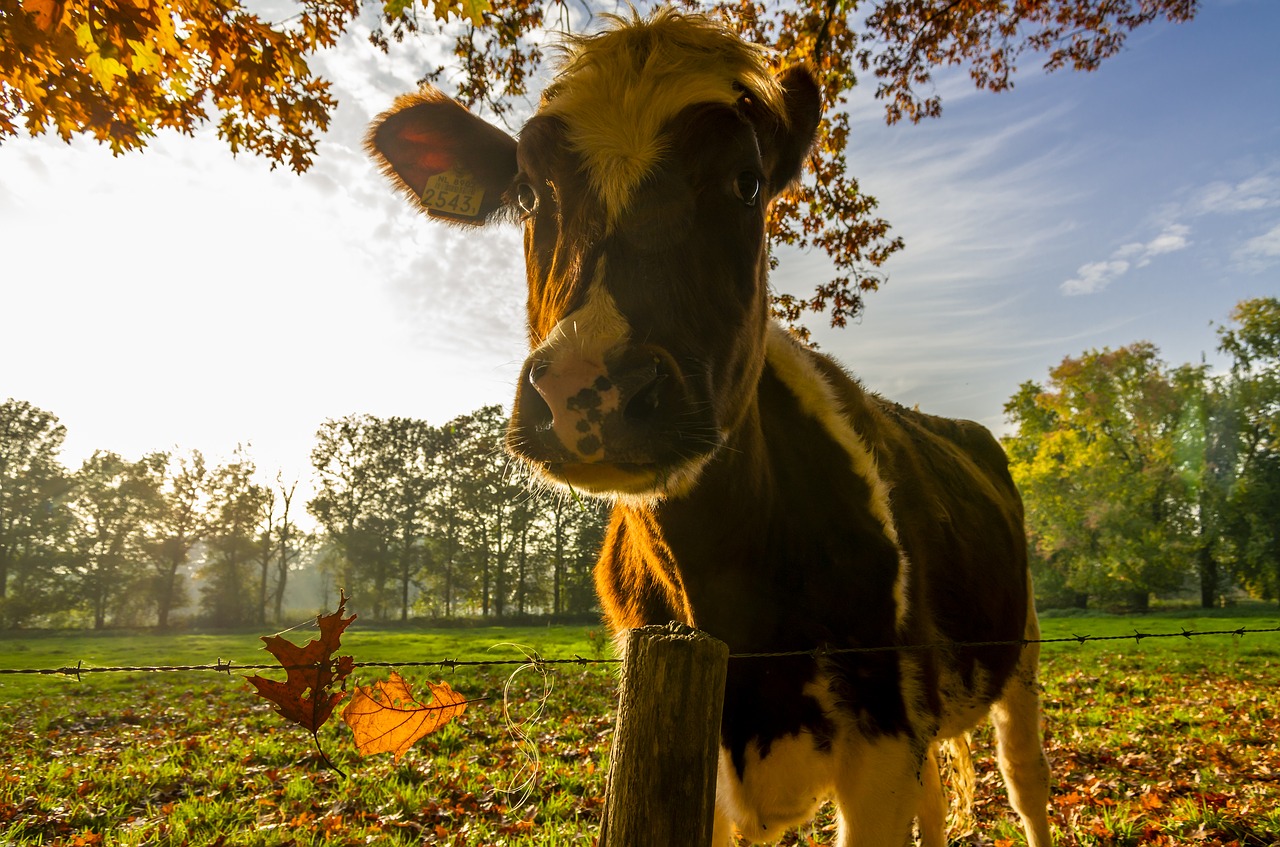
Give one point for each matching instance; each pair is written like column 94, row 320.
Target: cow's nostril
column 537, row 370
column 647, row 401
column 534, row 411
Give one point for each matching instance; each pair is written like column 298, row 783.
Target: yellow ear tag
column 454, row 194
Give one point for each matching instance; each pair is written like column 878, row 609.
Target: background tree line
column 1140, row 478
column 405, row 505
column 412, row 520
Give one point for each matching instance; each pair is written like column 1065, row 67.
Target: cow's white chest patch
column 784, row 786
column 776, row 791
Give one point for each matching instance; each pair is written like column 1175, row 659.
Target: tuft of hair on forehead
column 617, row 89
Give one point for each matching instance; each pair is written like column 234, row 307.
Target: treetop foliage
column 120, row 70
column 1139, row 477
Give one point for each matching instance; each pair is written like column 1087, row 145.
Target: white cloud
column 1171, row 240
column 1260, row 252
column 1218, row 199
column 1259, row 191
column 1095, row 276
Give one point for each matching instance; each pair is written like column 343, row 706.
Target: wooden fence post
column 662, row 764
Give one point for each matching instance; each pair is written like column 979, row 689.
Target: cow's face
column 643, row 203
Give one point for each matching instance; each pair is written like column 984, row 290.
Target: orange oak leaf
column 386, row 719
column 306, row 696
column 47, row 13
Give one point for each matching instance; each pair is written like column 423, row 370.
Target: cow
column 759, row 492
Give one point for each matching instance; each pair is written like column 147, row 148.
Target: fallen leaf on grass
column 386, row 719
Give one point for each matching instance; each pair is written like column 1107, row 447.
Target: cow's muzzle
column 611, row 423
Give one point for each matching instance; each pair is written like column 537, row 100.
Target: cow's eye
column 746, row 187
column 527, row 198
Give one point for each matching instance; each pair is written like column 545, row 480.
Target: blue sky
column 184, row 297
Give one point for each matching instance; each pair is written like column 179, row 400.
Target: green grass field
column 1161, row 742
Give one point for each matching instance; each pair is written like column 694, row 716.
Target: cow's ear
column 453, row 164
column 785, row 143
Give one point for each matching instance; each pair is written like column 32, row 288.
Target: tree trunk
column 164, row 596
column 1208, row 567
column 282, row 573
column 520, row 573
column 406, row 568
column 500, row 569
column 557, row 563
column 448, row 573
column 264, row 573
column 484, row 575
column 282, row 576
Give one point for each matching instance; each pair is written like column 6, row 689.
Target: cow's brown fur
column 761, row 494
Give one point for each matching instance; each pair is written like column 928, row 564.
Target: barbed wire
column 1135, row 636
column 228, row 666
column 450, row 664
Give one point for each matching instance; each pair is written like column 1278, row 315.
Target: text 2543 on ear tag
column 453, row 194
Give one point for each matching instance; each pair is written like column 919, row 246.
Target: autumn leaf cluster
column 120, row 70
column 905, row 40
column 384, row 717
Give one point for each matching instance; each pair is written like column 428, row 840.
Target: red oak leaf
column 306, row 696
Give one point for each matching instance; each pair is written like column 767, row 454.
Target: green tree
column 1206, row 457
column 111, row 500
column 175, row 524
column 344, row 479
column 1095, row 455
column 278, row 545
column 235, row 505
column 490, row 498
column 447, row 518
column 120, row 70
column 34, row 521
column 1254, row 396
column 404, row 504
column 376, row 482
column 588, row 536
column 406, row 451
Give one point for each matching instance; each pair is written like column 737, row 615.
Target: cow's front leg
column 879, row 791
column 932, row 814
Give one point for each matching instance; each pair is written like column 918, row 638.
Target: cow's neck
column 761, row 514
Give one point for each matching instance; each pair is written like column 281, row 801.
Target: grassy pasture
column 1160, row 742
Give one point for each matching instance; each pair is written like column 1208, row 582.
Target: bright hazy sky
column 182, row 297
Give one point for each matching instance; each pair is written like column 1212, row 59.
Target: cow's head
column 642, row 185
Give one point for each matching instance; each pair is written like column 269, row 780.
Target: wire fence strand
column 226, row 667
